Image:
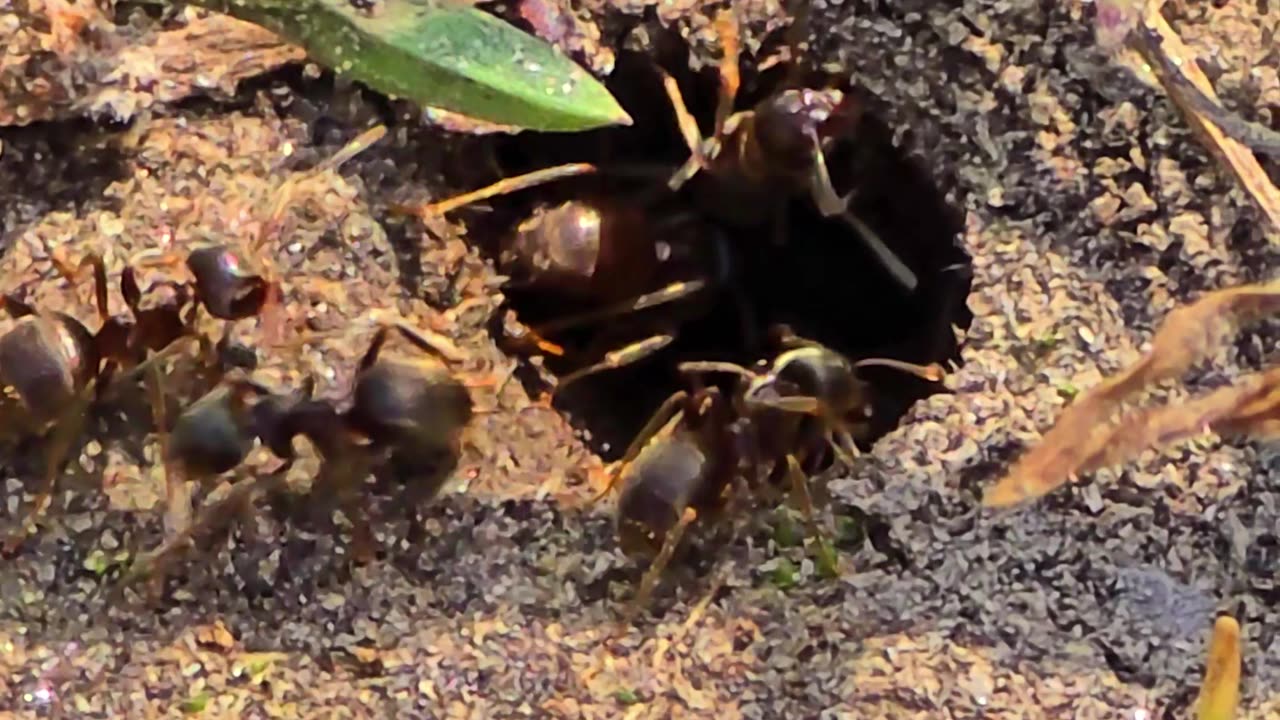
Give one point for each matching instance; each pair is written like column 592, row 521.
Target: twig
column 1161, row 47
column 1255, row 135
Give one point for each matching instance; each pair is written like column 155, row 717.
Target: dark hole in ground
column 821, row 281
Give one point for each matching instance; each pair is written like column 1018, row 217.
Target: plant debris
column 79, row 63
column 1084, row 439
column 442, row 54
column 1151, row 35
column 1220, row 693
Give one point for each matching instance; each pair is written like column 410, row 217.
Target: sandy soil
column 1089, row 209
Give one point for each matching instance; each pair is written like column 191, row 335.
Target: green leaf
column 785, row 574
column 627, row 697
column 442, row 54
column 785, row 532
column 826, row 559
column 195, row 704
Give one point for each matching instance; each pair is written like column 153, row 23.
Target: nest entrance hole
column 821, row 281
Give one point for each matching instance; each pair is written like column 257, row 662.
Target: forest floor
column 1088, row 210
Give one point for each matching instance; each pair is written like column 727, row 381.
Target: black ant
column 681, row 469
column 698, row 446
column 407, row 411
column 778, row 145
column 57, row 368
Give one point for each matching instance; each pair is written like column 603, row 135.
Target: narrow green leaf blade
column 445, row 54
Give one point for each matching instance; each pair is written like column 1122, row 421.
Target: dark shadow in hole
column 55, row 166
column 821, row 281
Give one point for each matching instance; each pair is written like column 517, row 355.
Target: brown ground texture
column 1089, row 211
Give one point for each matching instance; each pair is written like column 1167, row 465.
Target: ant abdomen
column 46, row 360
column 583, row 248
column 659, row 485
column 401, row 402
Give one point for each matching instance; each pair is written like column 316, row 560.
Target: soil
column 1083, row 205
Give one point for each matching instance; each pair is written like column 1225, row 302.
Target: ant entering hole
column 817, row 276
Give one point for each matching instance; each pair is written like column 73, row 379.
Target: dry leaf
column 1084, row 438
column 1220, row 693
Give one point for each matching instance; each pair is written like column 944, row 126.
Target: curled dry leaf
column 1084, row 438
column 1220, row 693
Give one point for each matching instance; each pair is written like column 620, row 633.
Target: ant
column 779, row 144
column 57, row 368
column 807, row 398
column 679, row 470
column 405, row 411
column 616, row 255
column 695, row 448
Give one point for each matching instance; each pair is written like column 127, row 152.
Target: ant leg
column 137, row 371
column 689, row 131
column 501, row 187
column 827, row 562
column 211, row 518
column 358, row 144
column 842, row 444
column 285, row 192
column 713, row 366
column 430, row 342
column 726, row 24
column 659, row 564
column 671, row 293
column 72, row 275
column 615, row 359
column 684, row 119
column 62, row 438
column 726, row 121
column 177, row 491
column 904, row 275
column 662, row 420
column 821, row 189
column 344, row 477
